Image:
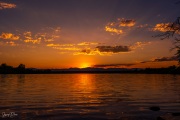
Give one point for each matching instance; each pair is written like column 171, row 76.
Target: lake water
column 88, row 96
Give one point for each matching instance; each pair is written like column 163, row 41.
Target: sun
column 85, row 65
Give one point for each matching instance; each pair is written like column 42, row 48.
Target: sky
column 87, row 33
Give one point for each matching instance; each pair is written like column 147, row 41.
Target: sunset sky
column 86, row 33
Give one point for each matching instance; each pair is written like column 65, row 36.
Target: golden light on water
column 84, row 83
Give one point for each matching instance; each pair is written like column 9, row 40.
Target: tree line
column 4, row 68
column 21, row 69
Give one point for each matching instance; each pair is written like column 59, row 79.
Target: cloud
column 29, row 39
column 64, row 48
column 113, row 30
column 44, row 35
column 112, row 65
column 8, row 43
column 87, row 43
column 9, row 36
column 139, row 45
column 4, row 5
column 167, row 29
column 162, row 59
column 104, row 50
column 11, row 43
column 83, row 47
column 173, row 58
column 109, row 50
column 126, row 23
column 119, row 26
column 19, row 38
column 113, row 49
column 49, row 34
column 86, row 51
column 60, row 45
column 67, row 48
column 162, row 27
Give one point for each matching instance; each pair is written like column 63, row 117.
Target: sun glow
column 84, row 65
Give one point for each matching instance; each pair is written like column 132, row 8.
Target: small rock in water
column 154, row 108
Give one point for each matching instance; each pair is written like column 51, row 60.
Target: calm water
column 88, row 96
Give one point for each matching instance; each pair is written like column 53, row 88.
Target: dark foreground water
column 88, row 96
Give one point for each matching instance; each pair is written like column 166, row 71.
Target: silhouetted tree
column 4, row 68
column 172, row 30
column 21, row 67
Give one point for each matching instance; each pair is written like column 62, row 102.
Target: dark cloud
column 162, row 59
column 113, row 65
column 87, row 51
column 128, row 23
column 113, row 49
column 173, row 58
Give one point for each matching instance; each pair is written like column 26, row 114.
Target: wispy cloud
column 67, row 48
column 11, row 43
column 83, row 47
column 63, row 47
column 4, row 5
column 139, row 45
column 112, row 30
column 87, row 43
column 29, row 39
column 142, row 26
column 9, row 36
column 120, row 26
column 60, row 45
column 43, row 36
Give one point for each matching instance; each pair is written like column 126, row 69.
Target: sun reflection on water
column 85, row 83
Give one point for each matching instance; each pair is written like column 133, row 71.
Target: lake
column 88, row 96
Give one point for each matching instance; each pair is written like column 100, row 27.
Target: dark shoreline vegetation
column 6, row 69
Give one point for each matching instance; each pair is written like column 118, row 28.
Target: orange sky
column 90, row 33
